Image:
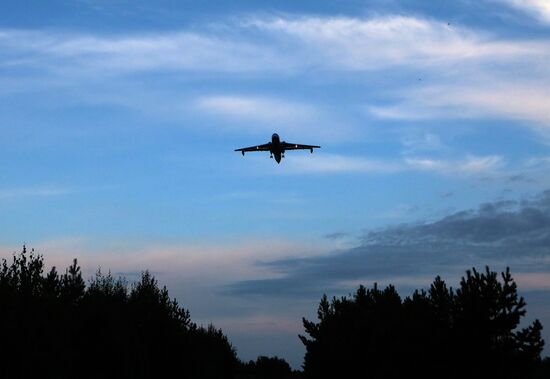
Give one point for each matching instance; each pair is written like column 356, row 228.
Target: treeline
column 58, row 326
column 470, row 332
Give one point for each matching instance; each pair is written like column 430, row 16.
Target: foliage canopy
column 472, row 331
column 54, row 326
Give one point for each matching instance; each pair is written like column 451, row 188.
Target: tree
column 267, row 368
column 57, row 327
column 355, row 336
column 470, row 332
column 485, row 317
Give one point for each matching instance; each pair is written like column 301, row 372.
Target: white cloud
column 538, row 8
column 379, row 42
column 139, row 52
column 403, row 111
column 333, row 163
column 526, row 102
column 291, row 43
column 48, row 191
column 516, row 101
column 256, row 109
column 471, row 165
column 472, row 73
column 23, row 192
column 293, row 119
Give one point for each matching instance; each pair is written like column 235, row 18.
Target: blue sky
column 119, row 120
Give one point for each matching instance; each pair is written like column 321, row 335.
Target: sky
column 118, row 121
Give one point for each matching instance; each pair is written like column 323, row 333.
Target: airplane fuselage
column 276, row 149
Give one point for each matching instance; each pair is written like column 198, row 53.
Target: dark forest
column 58, row 325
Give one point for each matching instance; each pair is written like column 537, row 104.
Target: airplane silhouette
column 278, row 148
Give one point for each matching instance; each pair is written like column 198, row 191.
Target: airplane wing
column 264, row 147
column 297, row 146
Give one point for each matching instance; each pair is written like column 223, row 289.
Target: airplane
column 277, row 148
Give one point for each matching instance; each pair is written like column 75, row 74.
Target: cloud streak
column 471, row 165
column 131, row 53
column 324, row 163
column 288, row 43
column 25, row 192
column 333, row 163
column 379, row 42
column 258, row 109
column 540, row 9
column 473, row 73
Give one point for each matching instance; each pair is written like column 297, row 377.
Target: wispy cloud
column 379, row 42
column 333, row 163
column 24, row 192
column 403, row 110
column 512, row 100
column 259, row 109
column 46, row 191
column 288, row 43
column 129, row 53
column 524, row 101
column 291, row 118
column 472, row 72
column 472, row 165
column 540, row 9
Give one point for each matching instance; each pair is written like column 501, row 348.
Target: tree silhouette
column 486, row 314
column 470, row 332
column 57, row 327
column 267, row 368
